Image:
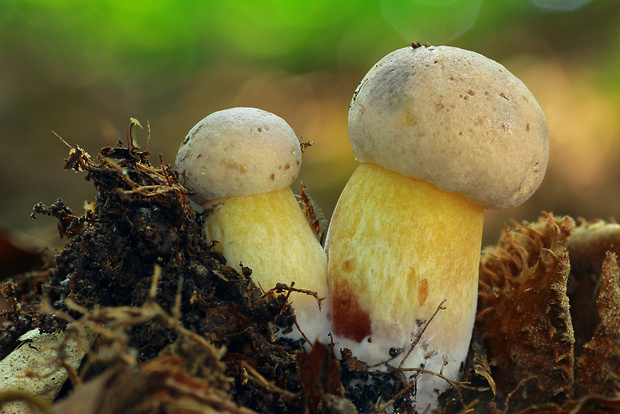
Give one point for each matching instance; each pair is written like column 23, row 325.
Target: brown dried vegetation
column 138, row 267
column 549, row 318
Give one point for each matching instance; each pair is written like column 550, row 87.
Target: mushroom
column 441, row 134
column 240, row 162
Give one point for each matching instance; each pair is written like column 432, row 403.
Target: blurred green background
column 83, row 68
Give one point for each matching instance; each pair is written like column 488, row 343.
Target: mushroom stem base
column 397, row 248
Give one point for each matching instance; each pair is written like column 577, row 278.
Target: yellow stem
column 269, row 234
column 397, row 247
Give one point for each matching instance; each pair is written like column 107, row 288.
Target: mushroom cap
column 237, row 152
column 453, row 118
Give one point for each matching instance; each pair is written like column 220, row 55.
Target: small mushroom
column 240, row 163
column 441, row 134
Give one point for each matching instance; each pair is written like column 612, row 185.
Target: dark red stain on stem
column 349, row 319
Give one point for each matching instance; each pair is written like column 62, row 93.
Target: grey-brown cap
column 237, row 152
column 453, row 118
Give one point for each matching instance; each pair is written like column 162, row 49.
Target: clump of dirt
column 136, row 264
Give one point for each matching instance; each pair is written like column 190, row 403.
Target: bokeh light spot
column 560, row 5
column 438, row 21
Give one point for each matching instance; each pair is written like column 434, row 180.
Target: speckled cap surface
column 236, row 152
column 453, row 118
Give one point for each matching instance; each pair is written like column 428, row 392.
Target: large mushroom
column 239, row 163
column 441, row 134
